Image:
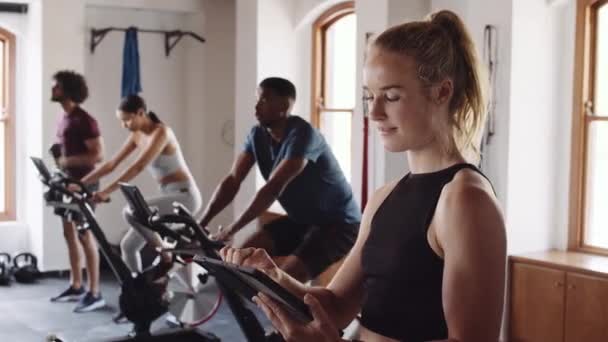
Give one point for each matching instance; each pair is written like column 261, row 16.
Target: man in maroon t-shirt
column 79, row 147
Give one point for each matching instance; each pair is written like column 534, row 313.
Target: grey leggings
column 136, row 237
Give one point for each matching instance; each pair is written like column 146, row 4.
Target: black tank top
column 402, row 275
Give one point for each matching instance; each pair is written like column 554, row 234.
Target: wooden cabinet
column 537, row 297
column 558, row 297
column 586, row 308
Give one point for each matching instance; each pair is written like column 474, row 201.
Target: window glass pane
column 336, row 127
column 601, row 66
column 340, row 59
column 2, row 168
column 596, row 228
column 2, row 53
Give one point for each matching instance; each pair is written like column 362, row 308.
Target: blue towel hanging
column 130, row 64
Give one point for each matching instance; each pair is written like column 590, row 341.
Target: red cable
column 213, row 312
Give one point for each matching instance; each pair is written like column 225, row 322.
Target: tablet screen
column 253, row 281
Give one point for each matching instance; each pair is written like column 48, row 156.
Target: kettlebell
column 6, row 271
column 25, row 268
column 53, row 338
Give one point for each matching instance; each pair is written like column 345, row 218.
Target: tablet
column 248, row 282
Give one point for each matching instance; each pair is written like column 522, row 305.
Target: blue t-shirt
column 319, row 194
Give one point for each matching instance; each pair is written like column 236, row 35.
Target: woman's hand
column 74, row 188
column 252, row 257
column 101, row 197
column 62, row 162
column 320, row 329
column 222, row 234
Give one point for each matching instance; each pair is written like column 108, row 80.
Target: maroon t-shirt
column 72, row 131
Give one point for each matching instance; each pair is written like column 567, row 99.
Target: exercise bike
column 141, row 298
column 193, row 240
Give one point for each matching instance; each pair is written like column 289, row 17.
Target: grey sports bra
column 166, row 164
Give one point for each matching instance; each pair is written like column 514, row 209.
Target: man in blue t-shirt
column 302, row 173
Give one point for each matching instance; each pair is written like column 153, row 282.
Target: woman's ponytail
column 154, row 117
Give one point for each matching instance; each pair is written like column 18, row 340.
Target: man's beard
column 265, row 124
column 57, row 98
column 269, row 123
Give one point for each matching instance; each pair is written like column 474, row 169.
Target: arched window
column 7, row 125
column 333, row 81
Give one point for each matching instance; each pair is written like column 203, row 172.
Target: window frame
column 320, row 26
column 584, row 93
column 8, row 119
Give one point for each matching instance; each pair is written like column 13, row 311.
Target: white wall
column 564, row 22
column 216, row 152
column 404, row 11
column 303, row 69
column 305, row 12
column 196, row 117
column 276, row 43
column 181, row 6
column 31, row 212
column 539, row 125
column 246, row 80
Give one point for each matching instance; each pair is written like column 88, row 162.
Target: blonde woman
column 429, row 262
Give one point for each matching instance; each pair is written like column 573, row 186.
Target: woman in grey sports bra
column 162, row 156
